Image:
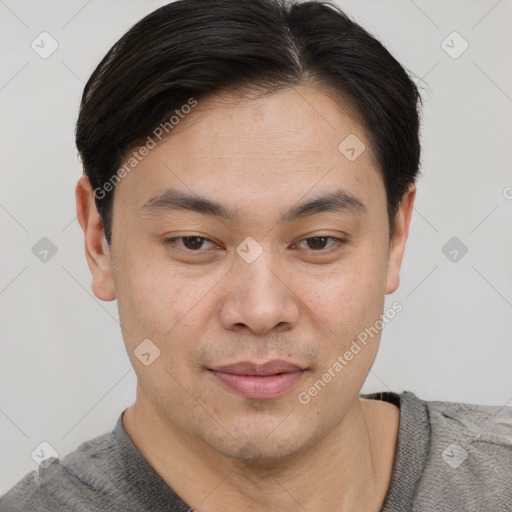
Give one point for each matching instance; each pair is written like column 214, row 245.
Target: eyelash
column 335, row 246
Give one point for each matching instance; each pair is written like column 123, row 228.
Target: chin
column 263, row 448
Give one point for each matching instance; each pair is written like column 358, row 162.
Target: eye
column 191, row 243
column 194, row 243
column 317, row 243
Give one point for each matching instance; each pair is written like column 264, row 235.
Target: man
column 250, row 172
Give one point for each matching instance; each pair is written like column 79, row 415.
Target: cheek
column 350, row 294
column 151, row 300
column 352, row 309
column 169, row 307
column 155, row 305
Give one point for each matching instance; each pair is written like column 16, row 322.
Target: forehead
column 284, row 143
column 296, row 122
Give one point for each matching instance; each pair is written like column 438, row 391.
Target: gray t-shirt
column 450, row 457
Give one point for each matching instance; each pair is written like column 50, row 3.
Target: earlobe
column 97, row 251
column 397, row 247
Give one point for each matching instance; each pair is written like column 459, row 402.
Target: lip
column 259, row 381
column 272, row 367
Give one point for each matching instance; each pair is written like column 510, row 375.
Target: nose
column 259, row 296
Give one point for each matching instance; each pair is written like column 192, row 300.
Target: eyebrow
column 172, row 199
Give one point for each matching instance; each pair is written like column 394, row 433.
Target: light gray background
column 64, row 373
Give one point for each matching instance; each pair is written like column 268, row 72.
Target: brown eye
column 191, row 243
column 318, row 243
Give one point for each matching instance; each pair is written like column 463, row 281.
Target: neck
column 349, row 470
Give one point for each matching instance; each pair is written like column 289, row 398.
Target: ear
column 397, row 246
column 97, row 251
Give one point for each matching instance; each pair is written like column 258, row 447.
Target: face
column 233, row 294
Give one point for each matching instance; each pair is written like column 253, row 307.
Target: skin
column 206, row 306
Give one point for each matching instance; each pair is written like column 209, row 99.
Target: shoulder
column 482, row 430
column 470, row 455
column 65, row 484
